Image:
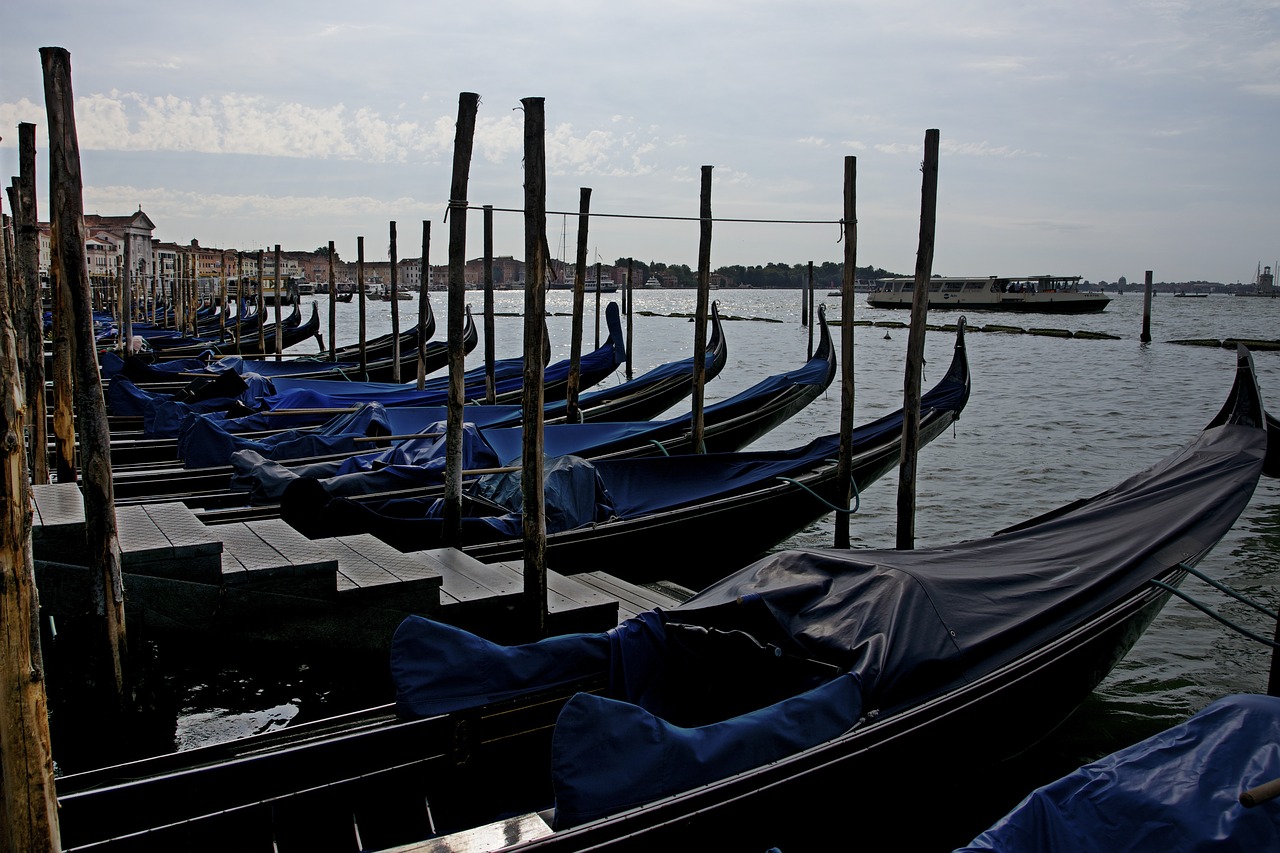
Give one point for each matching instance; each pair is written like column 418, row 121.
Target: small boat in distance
column 1048, row 294
column 652, row 282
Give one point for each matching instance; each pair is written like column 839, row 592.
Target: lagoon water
column 1050, row 420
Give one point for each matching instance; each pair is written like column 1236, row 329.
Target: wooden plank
column 370, row 569
column 630, row 596
column 503, row 833
column 187, row 535
column 58, row 504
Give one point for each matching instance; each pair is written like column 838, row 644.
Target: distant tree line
column 828, row 275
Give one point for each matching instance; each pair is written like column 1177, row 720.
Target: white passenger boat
column 1050, row 294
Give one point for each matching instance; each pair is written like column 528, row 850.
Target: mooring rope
column 1208, row 611
column 857, row 497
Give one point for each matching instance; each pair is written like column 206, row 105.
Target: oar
column 1260, row 794
column 405, row 437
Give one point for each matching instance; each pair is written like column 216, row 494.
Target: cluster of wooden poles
column 29, row 817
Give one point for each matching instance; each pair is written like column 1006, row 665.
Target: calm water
column 1050, row 420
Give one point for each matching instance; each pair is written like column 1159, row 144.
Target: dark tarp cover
column 922, row 621
column 907, row 624
column 1176, row 790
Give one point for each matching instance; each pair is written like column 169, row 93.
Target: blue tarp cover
column 1176, row 790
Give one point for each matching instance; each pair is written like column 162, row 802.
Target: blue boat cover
column 672, row 715
column 298, row 393
column 1176, row 790
column 203, row 443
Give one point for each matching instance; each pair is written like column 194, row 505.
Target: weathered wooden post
column 464, row 136
column 915, row 347
column 535, row 239
column 241, row 301
column 630, row 313
column 31, row 310
column 28, row 794
column 423, row 304
column 572, row 414
column 102, row 547
column 700, row 317
column 360, row 296
column 844, row 462
column 222, row 299
column 279, row 288
column 811, row 321
column 124, row 324
column 262, row 305
column 333, row 307
column 598, row 286
column 490, row 345
column 804, row 306
column 1146, row 310
column 395, row 308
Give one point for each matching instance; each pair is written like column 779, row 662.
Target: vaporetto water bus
column 1050, row 294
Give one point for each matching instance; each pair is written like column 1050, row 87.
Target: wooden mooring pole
column 490, row 345
column 1146, row 310
column 844, row 462
column 598, row 286
column 279, row 288
column 424, row 303
column 579, row 284
column 700, row 314
column 262, row 305
column 102, row 546
column 333, row 306
column 806, row 292
column 535, row 297
column 463, row 142
column 31, row 311
column 631, row 295
column 395, row 307
column 915, row 346
column 360, row 296
column 28, row 794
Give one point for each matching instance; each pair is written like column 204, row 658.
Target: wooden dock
column 264, row 580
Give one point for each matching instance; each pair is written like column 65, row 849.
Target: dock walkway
column 263, row 579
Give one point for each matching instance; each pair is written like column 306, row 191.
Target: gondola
column 294, row 330
column 145, row 468
column 172, row 376
column 163, row 416
column 257, row 471
column 812, row 696
column 724, row 508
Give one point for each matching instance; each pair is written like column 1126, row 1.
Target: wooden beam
column 915, row 346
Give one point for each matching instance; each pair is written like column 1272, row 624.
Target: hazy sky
column 1080, row 138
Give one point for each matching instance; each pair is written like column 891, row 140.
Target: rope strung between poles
column 1221, row 587
column 1208, row 611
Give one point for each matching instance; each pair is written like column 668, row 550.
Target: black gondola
column 725, row 508
column 728, row 425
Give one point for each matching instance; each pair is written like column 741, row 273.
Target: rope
column 658, row 444
column 857, row 497
column 1231, row 592
column 1203, row 608
column 839, row 222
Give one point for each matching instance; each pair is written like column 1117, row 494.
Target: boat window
column 935, row 286
column 975, row 285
